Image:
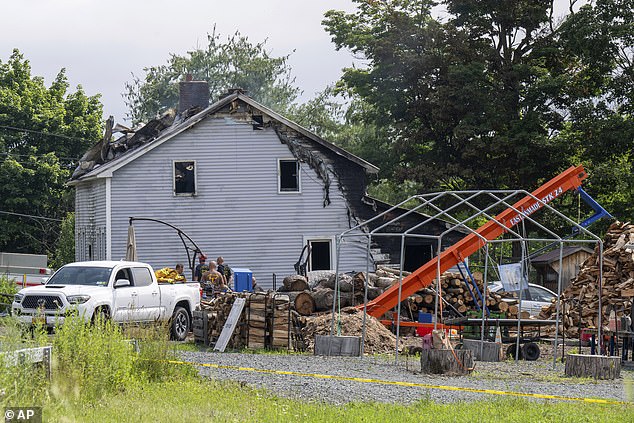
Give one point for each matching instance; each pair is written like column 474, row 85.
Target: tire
column 101, row 315
column 179, row 324
column 530, row 351
column 510, row 351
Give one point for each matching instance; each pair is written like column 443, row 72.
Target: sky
column 102, row 43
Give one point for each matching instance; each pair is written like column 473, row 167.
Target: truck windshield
column 81, row 275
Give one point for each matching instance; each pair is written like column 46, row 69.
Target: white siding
column 237, row 212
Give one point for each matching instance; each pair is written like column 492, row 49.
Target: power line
column 32, row 131
column 30, row 215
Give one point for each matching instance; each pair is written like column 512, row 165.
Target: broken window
column 185, row 178
column 288, row 175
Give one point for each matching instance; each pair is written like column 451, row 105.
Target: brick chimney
column 192, row 94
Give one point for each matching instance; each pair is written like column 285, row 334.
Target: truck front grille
column 47, row 302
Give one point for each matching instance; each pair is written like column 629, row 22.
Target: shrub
column 91, row 360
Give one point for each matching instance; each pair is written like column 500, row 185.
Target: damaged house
column 244, row 182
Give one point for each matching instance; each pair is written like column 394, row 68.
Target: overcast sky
column 101, row 43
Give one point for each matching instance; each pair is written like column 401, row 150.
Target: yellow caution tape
column 410, row 384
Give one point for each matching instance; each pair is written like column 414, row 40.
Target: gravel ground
column 530, row 377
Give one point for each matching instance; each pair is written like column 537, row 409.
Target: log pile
column 378, row 338
column 265, row 321
column 580, row 299
column 316, row 294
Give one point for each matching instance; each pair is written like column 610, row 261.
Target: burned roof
column 108, row 155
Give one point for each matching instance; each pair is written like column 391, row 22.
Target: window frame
column 279, row 175
column 325, row 238
column 184, row 194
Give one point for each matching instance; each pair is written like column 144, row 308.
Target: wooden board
column 230, row 325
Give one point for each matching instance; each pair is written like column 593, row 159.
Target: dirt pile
column 378, row 339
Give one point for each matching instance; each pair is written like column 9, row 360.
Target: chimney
column 192, row 94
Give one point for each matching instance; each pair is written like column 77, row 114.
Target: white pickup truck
column 119, row 290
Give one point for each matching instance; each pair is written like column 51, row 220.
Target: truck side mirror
column 121, row 283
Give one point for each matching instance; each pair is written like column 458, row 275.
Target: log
column 303, row 302
column 295, row 283
column 446, row 362
column 595, row 366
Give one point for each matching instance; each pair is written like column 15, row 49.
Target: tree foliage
column 43, row 130
column 236, row 62
column 497, row 94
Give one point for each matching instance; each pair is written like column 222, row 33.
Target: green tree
column 65, row 249
column 497, row 94
column 236, row 62
column 43, row 132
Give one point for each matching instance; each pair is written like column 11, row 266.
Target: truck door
column 149, row 298
column 125, row 302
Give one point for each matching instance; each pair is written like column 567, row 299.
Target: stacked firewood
column 217, row 311
column 580, row 300
column 263, row 323
column 310, row 297
column 268, row 319
column 457, row 297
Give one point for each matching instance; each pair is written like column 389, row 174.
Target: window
column 540, row 294
column 185, row 178
column 288, row 170
column 320, row 256
column 142, row 276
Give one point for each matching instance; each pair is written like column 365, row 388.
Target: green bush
column 91, row 360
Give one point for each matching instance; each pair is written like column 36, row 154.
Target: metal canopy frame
column 450, row 207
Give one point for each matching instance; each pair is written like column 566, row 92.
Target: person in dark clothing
column 201, row 268
column 225, row 270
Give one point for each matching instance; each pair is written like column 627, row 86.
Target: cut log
column 595, row 366
column 446, row 362
column 295, row 283
column 303, row 302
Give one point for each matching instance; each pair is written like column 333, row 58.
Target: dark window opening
column 289, row 176
column 320, row 255
column 258, row 122
column 184, row 177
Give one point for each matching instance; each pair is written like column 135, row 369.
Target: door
column 149, row 298
column 320, row 254
column 125, row 304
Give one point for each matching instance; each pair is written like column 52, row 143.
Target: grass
column 193, row 400
column 97, row 376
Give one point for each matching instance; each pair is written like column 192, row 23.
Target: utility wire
column 32, row 131
column 30, row 215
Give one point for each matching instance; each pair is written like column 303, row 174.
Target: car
column 120, row 291
column 539, row 297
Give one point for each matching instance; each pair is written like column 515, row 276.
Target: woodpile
column 378, row 338
column 317, row 293
column 458, row 298
column 580, row 299
column 266, row 321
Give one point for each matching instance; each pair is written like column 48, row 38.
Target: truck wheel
column 530, row 351
column 179, row 324
column 101, row 315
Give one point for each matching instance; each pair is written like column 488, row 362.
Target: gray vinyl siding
column 237, row 212
column 90, row 220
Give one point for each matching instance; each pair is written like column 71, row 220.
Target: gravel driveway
column 530, row 377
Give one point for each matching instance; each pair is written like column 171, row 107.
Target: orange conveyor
column 424, row 275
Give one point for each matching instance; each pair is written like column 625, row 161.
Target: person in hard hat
column 201, row 268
